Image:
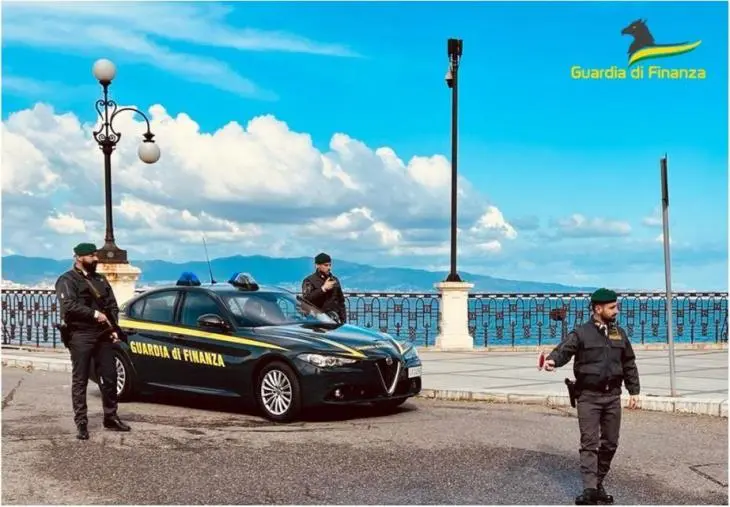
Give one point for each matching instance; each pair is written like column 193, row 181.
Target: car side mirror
column 212, row 321
column 333, row 315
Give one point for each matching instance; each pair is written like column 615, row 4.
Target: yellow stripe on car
column 347, row 349
column 164, row 328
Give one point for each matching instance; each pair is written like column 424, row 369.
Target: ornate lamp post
column 107, row 138
column 452, row 81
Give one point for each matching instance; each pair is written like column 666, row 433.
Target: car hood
column 345, row 339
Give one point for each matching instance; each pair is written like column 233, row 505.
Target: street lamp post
column 452, row 81
column 107, row 138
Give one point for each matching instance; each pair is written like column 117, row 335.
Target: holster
column 65, row 332
column 570, row 384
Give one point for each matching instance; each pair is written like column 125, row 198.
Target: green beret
column 322, row 258
column 85, row 249
column 604, row 296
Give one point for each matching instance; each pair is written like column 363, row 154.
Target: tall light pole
column 107, row 138
column 668, row 272
column 452, row 81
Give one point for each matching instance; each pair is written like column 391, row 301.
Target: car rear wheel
column 278, row 392
column 125, row 377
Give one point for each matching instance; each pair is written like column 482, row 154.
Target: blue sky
column 535, row 143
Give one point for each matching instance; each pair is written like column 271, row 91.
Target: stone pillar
column 123, row 279
column 454, row 316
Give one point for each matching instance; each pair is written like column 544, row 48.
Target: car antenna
column 212, row 280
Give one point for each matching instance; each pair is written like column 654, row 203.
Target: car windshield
column 273, row 309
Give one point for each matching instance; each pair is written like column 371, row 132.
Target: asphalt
column 184, row 450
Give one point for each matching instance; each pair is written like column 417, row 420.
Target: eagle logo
column 643, row 46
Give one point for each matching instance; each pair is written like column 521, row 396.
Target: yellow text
column 178, row 354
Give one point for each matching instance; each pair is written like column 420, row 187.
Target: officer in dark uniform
column 604, row 359
column 323, row 289
column 90, row 312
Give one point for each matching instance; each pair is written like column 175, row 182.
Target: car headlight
column 323, row 361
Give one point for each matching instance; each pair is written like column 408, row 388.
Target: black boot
column 82, row 433
column 602, row 496
column 588, row 497
column 116, row 424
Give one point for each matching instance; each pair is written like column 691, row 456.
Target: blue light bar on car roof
column 243, row 281
column 188, row 278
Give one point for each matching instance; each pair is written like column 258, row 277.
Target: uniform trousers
column 599, row 420
column 84, row 347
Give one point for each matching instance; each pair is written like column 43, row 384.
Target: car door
column 212, row 359
column 151, row 319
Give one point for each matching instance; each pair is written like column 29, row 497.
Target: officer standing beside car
column 90, row 312
column 323, row 289
column 604, row 359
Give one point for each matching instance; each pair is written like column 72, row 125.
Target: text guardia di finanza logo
column 641, row 49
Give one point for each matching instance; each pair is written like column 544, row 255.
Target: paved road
column 427, row 453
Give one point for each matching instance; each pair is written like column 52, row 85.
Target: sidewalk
column 512, row 377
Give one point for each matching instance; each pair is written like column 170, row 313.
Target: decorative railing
column 29, row 317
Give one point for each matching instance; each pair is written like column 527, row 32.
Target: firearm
column 114, row 328
column 571, row 391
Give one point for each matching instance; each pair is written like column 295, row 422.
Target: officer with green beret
column 89, row 312
column 604, row 359
column 323, row 289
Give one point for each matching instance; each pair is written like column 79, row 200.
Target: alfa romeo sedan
column 262, row 344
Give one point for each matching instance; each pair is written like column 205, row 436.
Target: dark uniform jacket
column 603, row 360
column 78, row 301
column 332, row 300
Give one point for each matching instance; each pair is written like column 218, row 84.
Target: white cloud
column 30, row 87
column 493, row 224
column 65, row 223
column 257, row 187
column 654, row 220
column 130, row 32
column 579, row 226
column 25, row 169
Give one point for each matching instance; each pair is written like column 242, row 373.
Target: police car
column 262, row 344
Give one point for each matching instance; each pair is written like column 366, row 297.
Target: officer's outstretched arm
column 565, row 350
column 68, row 298
column 631, row 372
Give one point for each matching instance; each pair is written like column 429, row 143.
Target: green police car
column 261, row 344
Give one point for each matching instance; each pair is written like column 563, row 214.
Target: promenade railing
column 509, row 320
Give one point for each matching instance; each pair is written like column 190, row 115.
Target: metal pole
column 109, row 242
column 454, row 50
column 668, row 273
column 454, row 276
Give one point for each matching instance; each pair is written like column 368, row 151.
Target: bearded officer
column 323, row 289
column 90, row 310
column 604, row 359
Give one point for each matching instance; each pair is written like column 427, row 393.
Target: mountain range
column 284, row 272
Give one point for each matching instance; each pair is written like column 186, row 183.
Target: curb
column 696, row 406
column 536, row 348
column 48, row 364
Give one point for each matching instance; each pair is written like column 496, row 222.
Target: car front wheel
column 278, row 392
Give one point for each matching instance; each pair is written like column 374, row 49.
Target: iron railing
column 29, row 317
